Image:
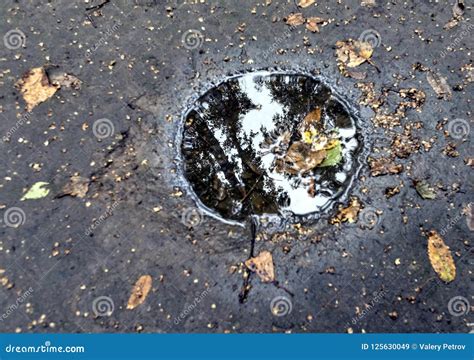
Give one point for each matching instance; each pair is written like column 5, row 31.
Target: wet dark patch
column 237, row 139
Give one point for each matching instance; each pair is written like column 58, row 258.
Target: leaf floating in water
column 35, row 87
column 266, row 137
column 300, row 159
column 425, row 190
column 140, row 291
column 313, row 117
column 333, row 156
column 37, row 191
column 262, row 265
column 440, row 257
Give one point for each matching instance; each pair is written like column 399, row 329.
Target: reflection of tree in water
column 234, row 156
column 220, row 160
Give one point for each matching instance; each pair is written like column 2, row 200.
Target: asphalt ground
column 69, row 263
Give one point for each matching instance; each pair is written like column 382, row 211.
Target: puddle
column 269, row 143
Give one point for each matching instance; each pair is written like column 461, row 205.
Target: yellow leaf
column 35, row 87
column 348, row 213
column 139, row 292
column 440, row 257
column 263, row 266
column 352, row 53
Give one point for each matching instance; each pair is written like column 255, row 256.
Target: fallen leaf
column 312, row 117
column 37, row 191
column 352, row 53
column 65, row 80
column 425, row 190
column 300, row 159
column 333, row 156
column 140, row 291
column 368, row 3
column 77, row 186
column 439, row 85
column 35, row 87
column 384, row 166
column 440, row 257
column 305, row 3
column 312, row 23
column 458, row 12
column 262, row 264
column 349, row 213
column 295, row 19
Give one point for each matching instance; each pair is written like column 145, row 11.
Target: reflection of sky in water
column 255, row 121
column 262, row 118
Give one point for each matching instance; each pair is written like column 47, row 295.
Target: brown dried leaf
column 300, row 159
column 439, row 85
column 305, row 3
column 77, row 186
column 140, row 291
column 348, row 213
column 35, row 87
column 384, row 166
column 295, row 19
column 312, row 23
column 262, row 264
column 440, row 257
column 352, row 53
column 312, row 117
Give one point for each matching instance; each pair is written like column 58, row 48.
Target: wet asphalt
column 69, row 263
